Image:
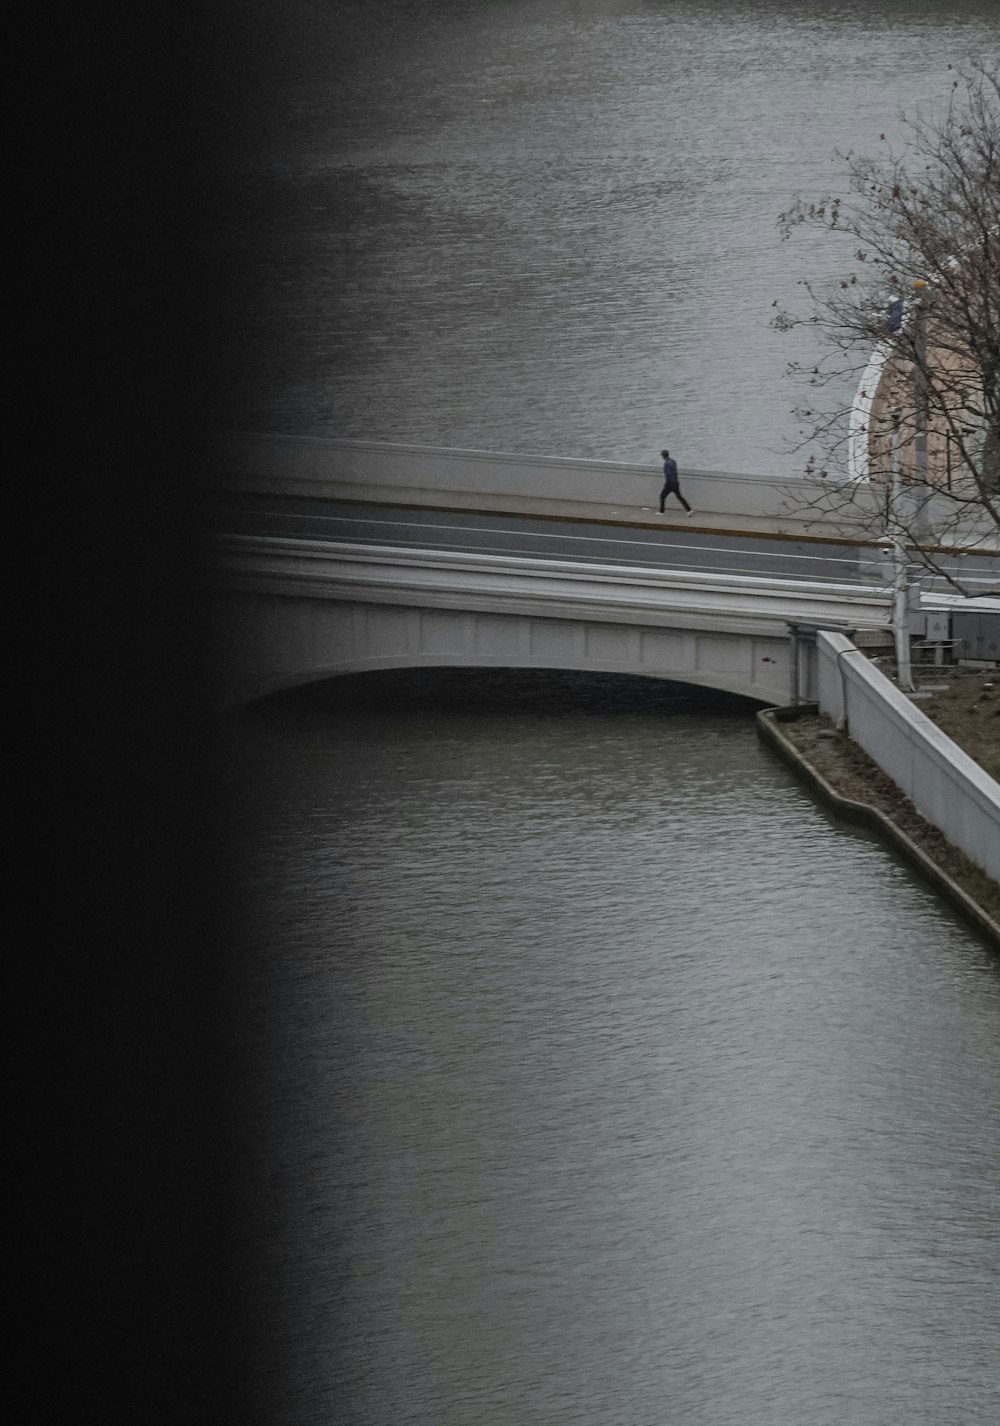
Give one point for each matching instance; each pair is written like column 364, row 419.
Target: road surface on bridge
column 642, row 542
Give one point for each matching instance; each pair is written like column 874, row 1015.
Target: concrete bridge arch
column 287, row 679
column 291, row 613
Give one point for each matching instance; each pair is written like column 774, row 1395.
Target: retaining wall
column 944, row 784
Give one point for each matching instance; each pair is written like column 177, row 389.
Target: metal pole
column 920, row 381
column 793, row 663
column 900, row 610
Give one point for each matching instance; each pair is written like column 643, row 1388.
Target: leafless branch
column 923, row 288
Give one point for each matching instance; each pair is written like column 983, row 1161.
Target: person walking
column 671, row 482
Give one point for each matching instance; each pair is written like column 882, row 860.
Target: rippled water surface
column 587, row 1071
column 593, row 1075
column 551, row 226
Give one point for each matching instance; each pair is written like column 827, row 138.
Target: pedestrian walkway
column 600, row 492
column 644, row 517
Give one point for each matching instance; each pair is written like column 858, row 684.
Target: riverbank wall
column 944, row 784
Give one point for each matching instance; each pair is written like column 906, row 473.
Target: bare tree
column 912, row 331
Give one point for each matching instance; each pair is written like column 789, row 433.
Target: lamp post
column 900, row 602
column 920, row 381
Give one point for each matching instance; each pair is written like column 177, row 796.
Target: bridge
column 296, row 604
column 293, row 612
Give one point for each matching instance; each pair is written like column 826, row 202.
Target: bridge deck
column 546, row 487
column 711, row 522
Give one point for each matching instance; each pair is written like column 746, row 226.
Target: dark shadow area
column 555, row 693
column 128, row 358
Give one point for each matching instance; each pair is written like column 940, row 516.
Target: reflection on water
column 596, row 1076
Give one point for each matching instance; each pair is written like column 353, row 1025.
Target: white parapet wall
column 318, row 466
column 944, row 784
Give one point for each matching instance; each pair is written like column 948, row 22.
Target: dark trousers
column 671, row 487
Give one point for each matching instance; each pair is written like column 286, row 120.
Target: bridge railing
column 318, row 466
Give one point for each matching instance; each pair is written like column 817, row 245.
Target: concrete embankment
column 944, row 784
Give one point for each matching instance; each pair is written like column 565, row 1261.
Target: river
column 593, row 1075
column 585, row 1071
column 551, row 227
